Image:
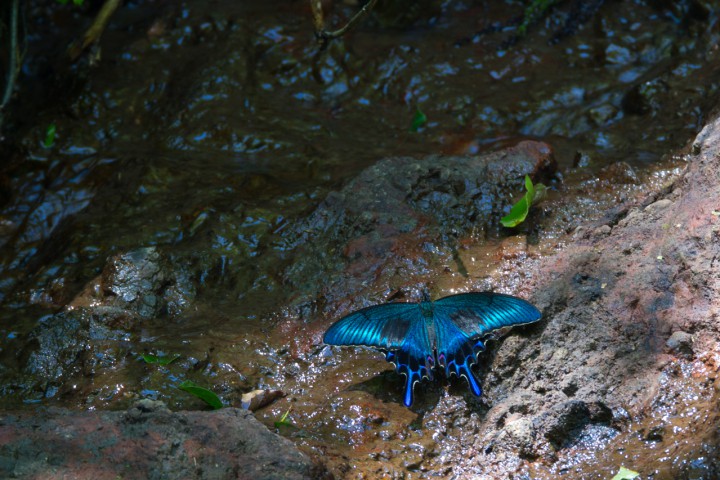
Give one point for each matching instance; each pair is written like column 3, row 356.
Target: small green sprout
column 419, row 120
column 50, row 136
column 199, row 221
column 284, row 422
column 520, row 210
column 202, row 393
column 159, row 359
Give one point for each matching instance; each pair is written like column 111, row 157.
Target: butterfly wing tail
column 472, row 381
column 413, row 369
column 412, row 378
column 459, row 362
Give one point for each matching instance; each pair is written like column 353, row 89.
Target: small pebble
column 680, row 342
column 659, row 205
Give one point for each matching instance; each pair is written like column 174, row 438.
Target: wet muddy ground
column 222, row 190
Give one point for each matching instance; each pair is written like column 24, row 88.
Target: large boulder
column 146, row 442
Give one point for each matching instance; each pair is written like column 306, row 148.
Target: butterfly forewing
column 398, row 328
column 382, row 326
column 477, row 314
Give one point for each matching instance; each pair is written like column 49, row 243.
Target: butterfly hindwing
column 456, row 351
column 398, row 328
column 461, row 320
column 415, row 359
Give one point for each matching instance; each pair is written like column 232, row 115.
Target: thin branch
column 13, row 59
column 323, row 35
column 92, row 35
column 316, row 7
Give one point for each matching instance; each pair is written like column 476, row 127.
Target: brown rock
column 146, row 442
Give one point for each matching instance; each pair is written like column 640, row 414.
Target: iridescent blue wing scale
column 397, row 328
column 415, row 359
column 383, row 326
column 456, row 351
column 460, row 322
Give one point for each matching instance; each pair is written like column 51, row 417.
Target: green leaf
column 78, row 3
column 159, row 359
column 419, row 120
column 284, row 422
column 519, row 211
column 202, row 393
column 517, row 214
column 530, row 189
column 49, row 136
column 198, row 222
column 625, row 474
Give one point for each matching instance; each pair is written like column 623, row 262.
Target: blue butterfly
column 448, row 332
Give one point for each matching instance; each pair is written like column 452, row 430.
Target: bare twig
column 323, row 35
column 92, row 35
column 13, row 64
column 316, row 7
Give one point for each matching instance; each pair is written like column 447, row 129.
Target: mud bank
column 624, row 369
